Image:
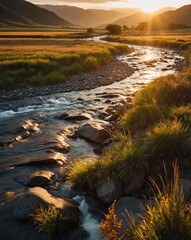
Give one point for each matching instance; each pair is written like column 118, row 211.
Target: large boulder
column 109, row 191
column 133, row 206
column 134, row 182
column 93, row 132
column 36, row 197
column 37, row 178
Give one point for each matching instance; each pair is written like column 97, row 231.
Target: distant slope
column 80, row 16
column 21, row 12
column 11, row 18
column 179, row 16
column 74, row 15
column 132, row 20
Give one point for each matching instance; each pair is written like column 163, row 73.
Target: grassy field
column 182, row 42
column 28, row 59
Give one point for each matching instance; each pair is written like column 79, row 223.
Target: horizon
column 116, row 4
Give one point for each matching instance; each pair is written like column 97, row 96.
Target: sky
column 146, row 5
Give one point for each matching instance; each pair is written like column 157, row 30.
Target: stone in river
column 38, row 197
column 93, row 132
column 109, row 191
column 37, row 178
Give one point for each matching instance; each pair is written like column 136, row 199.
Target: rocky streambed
column 41, row 135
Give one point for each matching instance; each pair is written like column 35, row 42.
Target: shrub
column 170, row 90
column 48, row 221
column 110, row 226
column 91, row 63
column 169, row 218
column 84, row 173
column 166, row 139
column 114, row 29
column 140, row 117
column 182, row 114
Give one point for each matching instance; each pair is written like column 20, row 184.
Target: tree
column 90, row 30
column 125, row 28
column 143, row 26
column 114, row 29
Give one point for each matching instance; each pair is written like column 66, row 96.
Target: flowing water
column 33, row 136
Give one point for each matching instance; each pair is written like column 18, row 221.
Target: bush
column 114, row 29
column 140, row 117
column 166, row 139
column 84, row 174
column 48, row 221
column 182, row 114
column 91, row 63
column 169, row 218
column 111, row 226
column 170, row 90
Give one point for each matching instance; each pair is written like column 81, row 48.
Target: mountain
column 80, row 16
column 179, row 16
column 132, row 20
column 23, row 13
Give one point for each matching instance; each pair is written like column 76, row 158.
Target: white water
column 87, row 220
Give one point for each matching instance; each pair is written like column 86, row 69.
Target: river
column 31, row 130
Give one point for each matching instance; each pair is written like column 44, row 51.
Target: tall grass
column 166, row 139
column 48, row 221
column 42, row 62
column 169, row 218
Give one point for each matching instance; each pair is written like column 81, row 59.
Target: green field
column 44, row 58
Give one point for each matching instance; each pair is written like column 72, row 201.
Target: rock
column 109, row 191
column 37, row 178
column 98, row 150
column 36, row 197
column 134, row 182
column 77, row 117
column 63, row 115
column 6, row 141
column 79, row 233
column 93, row 132
column 43, row 159
column 186, row 187
column 131, row 204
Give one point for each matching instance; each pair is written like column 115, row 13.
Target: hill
column 23, row 13
column 179, row 16
column 80, row 16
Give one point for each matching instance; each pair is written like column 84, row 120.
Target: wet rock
column 77, row 117
column 93, row 132
column 30, row 126
column 36, row 197
column 186, row 187
column 6, row 140
column 79, row 233
column 103, row 115
column 109, row 191
column 107, row 101
column 98, row 150
column 134, row 182
column 43, row 159
column 131, row 204
column 37, row 178
column 63, row 115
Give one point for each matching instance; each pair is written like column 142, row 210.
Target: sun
column 150, row 8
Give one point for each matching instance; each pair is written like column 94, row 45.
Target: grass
column 166, row 139
column 166, row 91
column 28, row 60
column 48, row 221
column 116, row 163
column 181, row 42
column 169, row 218
column 141, row 117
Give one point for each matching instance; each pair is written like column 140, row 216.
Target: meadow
column 182, row 42
column 29, row 59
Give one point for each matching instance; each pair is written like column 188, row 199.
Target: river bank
column 39, row 134
column 112, row 72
